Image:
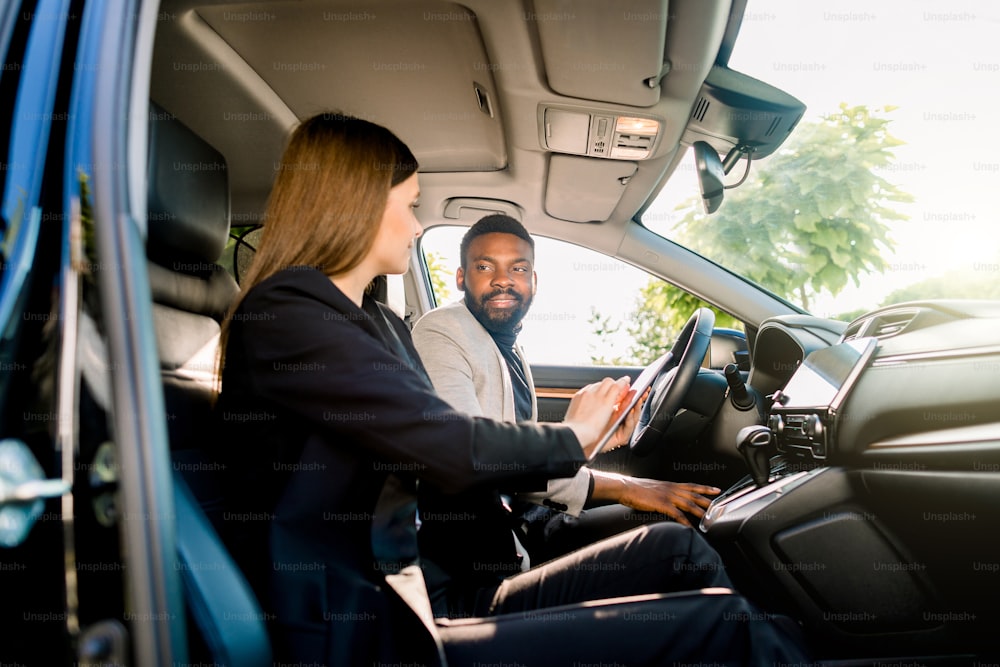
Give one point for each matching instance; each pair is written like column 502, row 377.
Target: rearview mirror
column 710, row 175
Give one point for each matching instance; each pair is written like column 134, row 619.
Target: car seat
column 188, row 224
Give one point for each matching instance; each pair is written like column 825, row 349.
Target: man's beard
column 498, row 321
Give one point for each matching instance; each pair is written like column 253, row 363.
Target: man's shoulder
column 444, row 330
column 446, row 318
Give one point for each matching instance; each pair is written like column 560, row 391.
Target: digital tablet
column 641, row 384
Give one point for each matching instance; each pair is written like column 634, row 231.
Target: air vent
column 882, row 325
column 891, row 324
column 700, row 109
column 852, row 332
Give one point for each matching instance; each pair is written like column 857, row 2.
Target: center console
column 792, row 533
column 800, row 428
column 872, row 486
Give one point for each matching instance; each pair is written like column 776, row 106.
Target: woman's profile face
column 390, row 253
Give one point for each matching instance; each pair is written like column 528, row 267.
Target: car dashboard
column 911, row 376
column 884, row 443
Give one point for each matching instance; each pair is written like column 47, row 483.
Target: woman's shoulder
column 302, row 277
column 294, row 284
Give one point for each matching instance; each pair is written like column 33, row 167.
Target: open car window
column 590, row 309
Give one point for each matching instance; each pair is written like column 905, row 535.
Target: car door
column 36, row 511
column 107, row 150
column 89, row 541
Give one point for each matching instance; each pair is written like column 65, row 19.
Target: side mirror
column 710, row 175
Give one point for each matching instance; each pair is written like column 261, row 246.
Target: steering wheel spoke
column 674, row 381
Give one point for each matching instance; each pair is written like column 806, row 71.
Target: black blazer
column 327, row 422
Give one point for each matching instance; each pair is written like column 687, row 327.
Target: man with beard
column 471, row 354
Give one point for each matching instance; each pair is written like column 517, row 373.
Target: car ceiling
column 461, row 83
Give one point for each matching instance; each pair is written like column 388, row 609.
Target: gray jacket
column 469, row 372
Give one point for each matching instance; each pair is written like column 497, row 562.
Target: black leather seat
column 188, row 224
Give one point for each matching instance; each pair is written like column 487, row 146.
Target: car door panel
column 555, row 385
column 33, row 94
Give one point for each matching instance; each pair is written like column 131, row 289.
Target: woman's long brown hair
column 327, row 200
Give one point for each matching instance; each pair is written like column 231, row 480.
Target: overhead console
column 623, row 74
column 579, row 187
column 598, row 133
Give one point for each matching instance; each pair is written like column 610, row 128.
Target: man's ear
column 534, row 283
column 460, row 279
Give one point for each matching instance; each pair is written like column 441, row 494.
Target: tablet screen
column 641, row 384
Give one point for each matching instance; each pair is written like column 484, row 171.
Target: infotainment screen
column 823, row 379
column 804, row 414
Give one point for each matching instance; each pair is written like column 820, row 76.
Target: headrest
column 188, row 196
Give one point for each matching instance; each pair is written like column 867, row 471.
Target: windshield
column 884, row 191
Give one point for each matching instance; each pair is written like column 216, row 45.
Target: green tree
column 603, row 343
column 816, row 214
column 810, row 218
column 439, row 278
column 661, row 311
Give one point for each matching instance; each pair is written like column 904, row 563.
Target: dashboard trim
column 938, row 354
column 951, row 437
column 751, row 497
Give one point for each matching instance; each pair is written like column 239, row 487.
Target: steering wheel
column 674, row 381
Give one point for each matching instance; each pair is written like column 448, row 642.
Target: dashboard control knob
column 776, row 424
column 812, row 426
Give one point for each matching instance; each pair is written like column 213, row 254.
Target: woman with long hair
column 329, row 423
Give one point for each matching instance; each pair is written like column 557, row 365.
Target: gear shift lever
column 756, row 445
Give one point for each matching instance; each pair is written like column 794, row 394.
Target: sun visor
column 471, row 209
column 583, row 189
column 378, row 63
column 612, row 52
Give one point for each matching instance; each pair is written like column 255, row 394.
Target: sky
column 937, row 63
